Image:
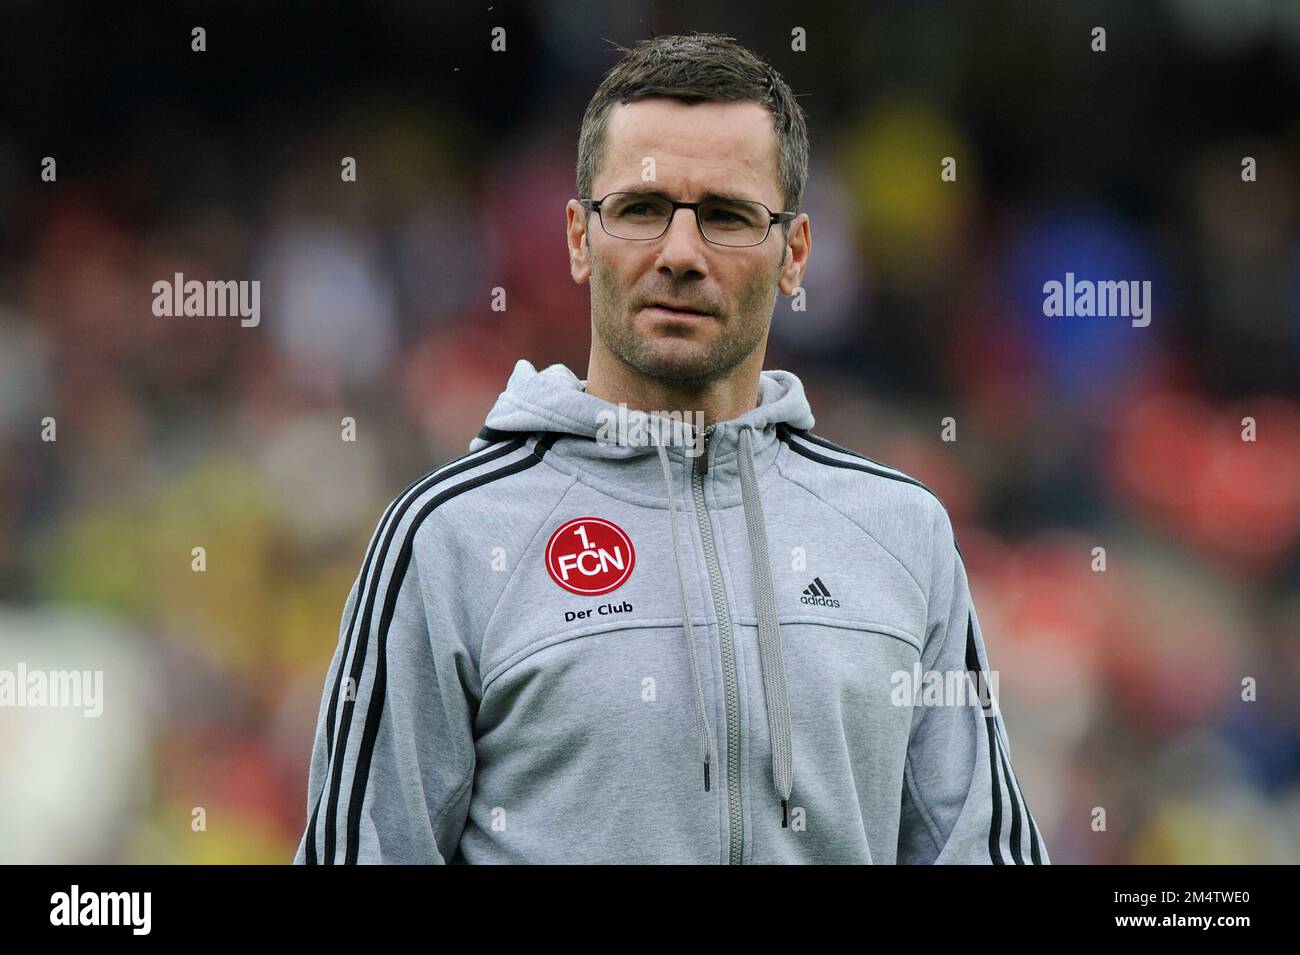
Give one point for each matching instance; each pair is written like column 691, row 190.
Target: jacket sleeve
column 393, row 758
column 961, row 801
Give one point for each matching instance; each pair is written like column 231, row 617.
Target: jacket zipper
column 732, row 695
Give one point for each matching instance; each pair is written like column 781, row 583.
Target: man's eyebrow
column 707, row 196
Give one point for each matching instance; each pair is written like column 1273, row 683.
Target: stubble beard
column 663, row 358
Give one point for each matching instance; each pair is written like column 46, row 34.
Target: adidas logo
column 817, row 595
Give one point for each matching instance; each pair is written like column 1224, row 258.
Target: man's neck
column 719, row 400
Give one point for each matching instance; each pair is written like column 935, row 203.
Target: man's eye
column 637, row 210
column 725, row 217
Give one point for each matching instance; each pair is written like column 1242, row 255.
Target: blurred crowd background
column 1122, row 690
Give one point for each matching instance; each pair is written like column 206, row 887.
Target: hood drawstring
column 769, row 631
column 702, row 728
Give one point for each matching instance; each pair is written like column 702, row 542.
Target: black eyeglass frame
column 593, row 205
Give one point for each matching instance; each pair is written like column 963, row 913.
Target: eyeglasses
column 641, row 216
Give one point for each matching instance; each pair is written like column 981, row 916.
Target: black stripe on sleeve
column 374, row 712
column 492, row 434
column 995, row 823
column 366, row 597
column 787, row 434
column 1016, row 852
column 1014, row 793
column 1017, row 795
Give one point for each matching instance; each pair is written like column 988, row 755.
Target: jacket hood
column 555, row 400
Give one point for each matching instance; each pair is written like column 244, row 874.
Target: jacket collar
column 614, row 449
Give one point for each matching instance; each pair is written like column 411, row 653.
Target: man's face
column 693, row 150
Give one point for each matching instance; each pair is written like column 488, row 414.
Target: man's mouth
column 678, row 309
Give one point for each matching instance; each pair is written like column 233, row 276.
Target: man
column 651, row 617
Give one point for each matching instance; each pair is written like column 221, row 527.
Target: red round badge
column 590, row 556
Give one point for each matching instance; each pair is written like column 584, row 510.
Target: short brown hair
column 701, row 67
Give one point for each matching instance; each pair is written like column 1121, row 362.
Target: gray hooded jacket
column 746, row 644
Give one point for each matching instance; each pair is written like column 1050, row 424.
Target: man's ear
column 579, row 240
column 798, row 246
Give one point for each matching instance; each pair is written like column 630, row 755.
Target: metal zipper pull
column 702, row 462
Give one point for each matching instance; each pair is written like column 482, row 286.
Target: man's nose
column 682, row 247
